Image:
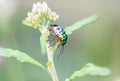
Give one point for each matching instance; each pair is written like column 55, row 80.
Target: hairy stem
column 51, row 67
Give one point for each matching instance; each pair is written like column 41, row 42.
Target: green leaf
column 20, row 56
column 90, row 69
column 43, row 39
column 76, row 26
column 26, row 23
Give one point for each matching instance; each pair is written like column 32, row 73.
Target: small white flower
column 53, row 16
column 34, row 7
column 40, row 15
column 38, row 4
column 45, row 6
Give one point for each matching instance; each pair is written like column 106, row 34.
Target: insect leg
column 61, row 51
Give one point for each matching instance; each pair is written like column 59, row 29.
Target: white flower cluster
column 41, row 14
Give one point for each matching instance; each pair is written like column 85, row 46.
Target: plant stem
column 51, row 67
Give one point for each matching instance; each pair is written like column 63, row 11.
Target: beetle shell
column 59, row 32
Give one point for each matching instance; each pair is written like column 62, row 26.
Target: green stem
column 51, row 67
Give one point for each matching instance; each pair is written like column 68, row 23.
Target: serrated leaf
column 71, row 29
column 90, row 69
column 43, row 39
column 20, row 56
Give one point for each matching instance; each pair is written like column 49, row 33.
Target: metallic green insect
column 59, row 35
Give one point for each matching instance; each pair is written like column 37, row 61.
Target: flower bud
column 40, row 15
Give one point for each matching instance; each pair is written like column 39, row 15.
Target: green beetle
column 59, row 35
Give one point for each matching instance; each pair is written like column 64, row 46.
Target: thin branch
column 51, row 67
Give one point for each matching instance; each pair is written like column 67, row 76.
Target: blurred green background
column 97, row 43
